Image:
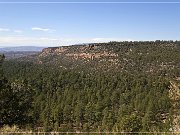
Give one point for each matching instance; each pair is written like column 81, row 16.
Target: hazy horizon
column 56, row 45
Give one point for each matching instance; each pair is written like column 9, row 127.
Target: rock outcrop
column 80, row 52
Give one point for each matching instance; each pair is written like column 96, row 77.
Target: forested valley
column 99, row 87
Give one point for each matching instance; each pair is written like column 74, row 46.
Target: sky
column 59, row 24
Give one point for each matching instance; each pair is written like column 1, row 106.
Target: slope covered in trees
column 15, row 101
column 116, row 86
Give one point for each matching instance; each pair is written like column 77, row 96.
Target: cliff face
column 70, row 48
column 148, row 57
column 49, row 50
column 80, row 52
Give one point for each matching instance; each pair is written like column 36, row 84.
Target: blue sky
column 64, row 24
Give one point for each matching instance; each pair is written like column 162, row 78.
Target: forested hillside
column 102, row 87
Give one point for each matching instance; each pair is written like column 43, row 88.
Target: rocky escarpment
column 150, row 57
column 90, row 51
column 53, row 50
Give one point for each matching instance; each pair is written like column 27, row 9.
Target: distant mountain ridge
column 22, row 49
